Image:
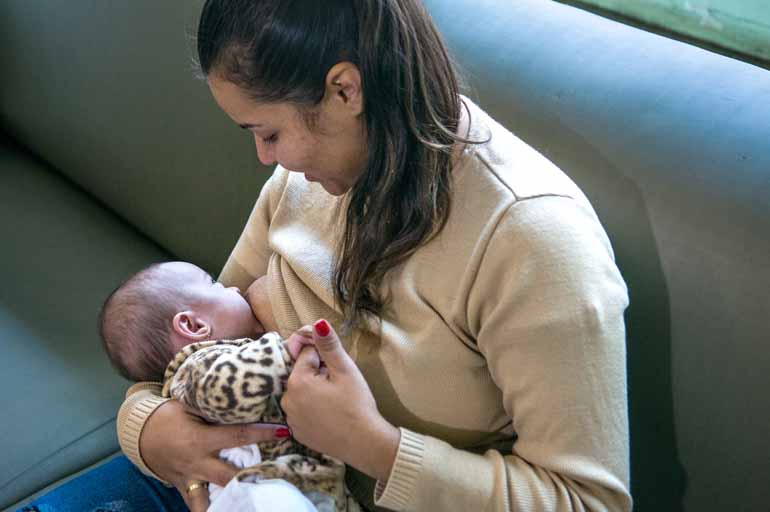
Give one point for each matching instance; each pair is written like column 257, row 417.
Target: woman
column 481, row 358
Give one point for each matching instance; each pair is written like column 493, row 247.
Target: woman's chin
column 334, row 188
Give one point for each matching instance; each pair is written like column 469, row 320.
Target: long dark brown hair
column 282, row 50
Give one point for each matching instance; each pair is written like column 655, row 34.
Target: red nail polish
column 322, row 328
column 282, row 432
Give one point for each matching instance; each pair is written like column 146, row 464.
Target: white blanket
column 264, row 495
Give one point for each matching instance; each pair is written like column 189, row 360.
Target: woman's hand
column 180, row 447
column 330, row 408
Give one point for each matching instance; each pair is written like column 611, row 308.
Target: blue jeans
column 116, row 486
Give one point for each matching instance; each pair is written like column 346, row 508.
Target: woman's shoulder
column 505, row 164
column 505, row 189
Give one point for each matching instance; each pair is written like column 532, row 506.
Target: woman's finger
column 308, row 359
column 196, row 500
column 231, row 436
column 217, row 471
column 330, row 347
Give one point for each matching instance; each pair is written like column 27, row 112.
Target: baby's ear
column 191, row 326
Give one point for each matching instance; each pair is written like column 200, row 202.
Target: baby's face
column 230, row 315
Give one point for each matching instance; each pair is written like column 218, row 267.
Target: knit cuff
column 398, row 491
column 141, row 401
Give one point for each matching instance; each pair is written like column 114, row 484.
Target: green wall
column 741, row 26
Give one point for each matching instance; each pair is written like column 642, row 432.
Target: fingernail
column 282, row 432
column 322, row 328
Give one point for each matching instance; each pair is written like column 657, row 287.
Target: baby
column 172, row 323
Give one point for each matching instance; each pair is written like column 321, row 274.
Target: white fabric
column 265, row 495
column 242, row 456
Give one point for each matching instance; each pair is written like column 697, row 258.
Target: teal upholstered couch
column 113, row 156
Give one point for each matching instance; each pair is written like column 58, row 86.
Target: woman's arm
column 546, row 310
column 141, row 401
column 161, row 438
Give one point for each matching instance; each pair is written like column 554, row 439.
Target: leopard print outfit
column 239, row 381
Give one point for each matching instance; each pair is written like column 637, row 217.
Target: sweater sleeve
column 546, row 310
column 249, row 258
column 142, row 399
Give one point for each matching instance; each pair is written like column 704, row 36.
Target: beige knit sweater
column 502, row 354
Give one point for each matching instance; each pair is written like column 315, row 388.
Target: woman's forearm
column 375, row 453
column 430, row 474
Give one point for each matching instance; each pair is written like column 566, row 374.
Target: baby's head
column 165, row 307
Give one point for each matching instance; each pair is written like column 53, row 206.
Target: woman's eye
column 271, row 140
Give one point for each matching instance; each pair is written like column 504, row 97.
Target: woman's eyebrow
column 246, row 126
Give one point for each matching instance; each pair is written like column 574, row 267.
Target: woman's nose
column 264, row 151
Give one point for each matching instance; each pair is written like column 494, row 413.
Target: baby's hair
column 135, row 324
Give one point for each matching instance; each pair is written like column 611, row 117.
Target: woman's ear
column 191, row 326
column 343, row 84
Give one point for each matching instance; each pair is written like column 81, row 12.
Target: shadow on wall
column 658, row 479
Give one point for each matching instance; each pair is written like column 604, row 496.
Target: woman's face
column 332, row 154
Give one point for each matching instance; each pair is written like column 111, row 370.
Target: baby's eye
column 271, row 140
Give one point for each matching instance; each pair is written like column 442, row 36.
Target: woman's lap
column 116, row 486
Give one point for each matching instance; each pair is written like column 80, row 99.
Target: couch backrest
column 670, row 142
column 104, row 91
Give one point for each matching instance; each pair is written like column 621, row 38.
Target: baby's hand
column 256, row 296
column 301, row 338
